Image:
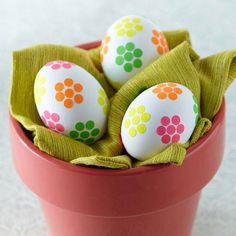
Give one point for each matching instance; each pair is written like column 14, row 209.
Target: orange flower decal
column 159, row 40
column 167, row 90
column 68, row 91
column 104, row 47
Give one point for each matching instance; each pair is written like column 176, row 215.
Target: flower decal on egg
column 195, row 109
column 129, row 57
column 104, row 47
column 56, row 65
column 68, row 92
column 85, row 132
column 167, row 90
column 103, row 101
column 135, row 123
column 129, row 26
column 39, row 89
column 51, row 120
column 170, row 129
column 159, row 40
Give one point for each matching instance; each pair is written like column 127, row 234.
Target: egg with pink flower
column 71, row 101
column 164, row 114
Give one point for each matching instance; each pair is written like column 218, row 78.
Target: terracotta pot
column 156, row 200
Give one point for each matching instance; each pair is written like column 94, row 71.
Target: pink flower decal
column 56, row 65
column 51, row 120
column 170, row 129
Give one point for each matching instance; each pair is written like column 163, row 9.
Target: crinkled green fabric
column 207, row 78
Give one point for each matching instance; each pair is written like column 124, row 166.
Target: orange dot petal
column 162, row 85
column 78, row 87
column 105, row 50
column 101, row 57
column 172, row 96
column 168, row 89
column 107, row 39
column 68, row 82
column 155, row 32
column 163, row 42
column 59, row 86
column 156, row 90
column 78, row 98
column 155, row 40
column 178, row 90
column 162, row 95
column 172, row 84
column 59, row 96
column 68, row 103
column 160, row 50
column 69, row 93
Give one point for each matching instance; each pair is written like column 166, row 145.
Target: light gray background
column 24, row 23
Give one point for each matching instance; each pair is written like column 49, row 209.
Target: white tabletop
column 24, row 23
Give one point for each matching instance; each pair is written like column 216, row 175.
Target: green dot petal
column 121, row 32
column 79, row 139
column 130, row 46
column 128, row 25
column 138, row 52
column 136, row 20
column 137, row 63
column 138, row 27
column 95, row 132
column 117, row 26
column 89, row 140
column 196, row 119
column 195, row 108
column 130, row 33
column 135, row 120
column 90, row 124
column 141, row 109
column 73, row 134
column 131, row 111
column 102, row 92
column 126, row 19
column 84, row 134
column 128, row 67
column 128, row 56
column 101, row 101
column 132, row 132
column 119, row 60
column 79, row 126
column 120, row 50
column 42, row 91
column 145, row 117
column 141, row 128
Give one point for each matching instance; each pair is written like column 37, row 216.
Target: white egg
column 71, row 101
column 161, row 115
column 130, row 44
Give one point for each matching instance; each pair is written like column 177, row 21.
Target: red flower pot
column 156, row 200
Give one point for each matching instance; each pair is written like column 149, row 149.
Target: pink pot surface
column 151, row 200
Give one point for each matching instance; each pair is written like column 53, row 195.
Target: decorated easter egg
column 161, row 115
column 130, row 44
column 71, row 101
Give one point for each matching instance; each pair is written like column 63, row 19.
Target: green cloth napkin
column 207, row 78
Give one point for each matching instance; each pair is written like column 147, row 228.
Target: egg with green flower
column 130, row 44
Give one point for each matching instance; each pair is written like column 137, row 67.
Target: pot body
column 148, row 201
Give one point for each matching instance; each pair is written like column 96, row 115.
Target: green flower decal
column 129, row 57
column 128, row 26
column 195, row 109
column 103, row 101
column 85, row 132
column 39, row 89
column 135, row 122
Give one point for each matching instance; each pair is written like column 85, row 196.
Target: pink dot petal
column 67, row 65
column 180, row 129
column 165, row 139
column 60, row 61
column 161, row 130
column 49, row 63
column 175, row 120
column 43, row 120
column 171, row 129
column 165, row 120
column 51, row 125
column 176, row 138
column 47, row 114
column 56, row 66
column 55, row 117
column 60, row 128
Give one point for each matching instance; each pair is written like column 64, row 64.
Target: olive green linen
column 207, row 78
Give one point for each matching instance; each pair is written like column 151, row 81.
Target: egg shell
column 130, row 44
column 161, row 115
column 71, row 101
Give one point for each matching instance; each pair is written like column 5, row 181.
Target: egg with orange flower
column 130, row 44
column 164, row 114
column 71, row 101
